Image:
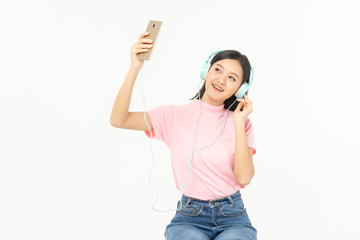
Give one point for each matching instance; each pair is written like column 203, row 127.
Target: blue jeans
column 217, row 219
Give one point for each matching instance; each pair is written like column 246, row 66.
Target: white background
column 66, row 173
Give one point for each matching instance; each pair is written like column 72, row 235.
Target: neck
column 207, row 100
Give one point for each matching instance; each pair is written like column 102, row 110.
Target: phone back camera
column 153, row 25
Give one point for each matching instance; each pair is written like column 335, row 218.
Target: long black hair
column 245, row 64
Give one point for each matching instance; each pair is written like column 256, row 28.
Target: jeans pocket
column 232, row 210
column 191, row 210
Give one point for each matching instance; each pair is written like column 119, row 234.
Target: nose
column 222, row 80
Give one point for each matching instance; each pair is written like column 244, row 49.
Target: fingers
column 143, row 35
column 139, row 50
column 142, row 48
column 241, row 104
column 145, row 40
column 245, row 99
column 142, row 45
column 244, row 102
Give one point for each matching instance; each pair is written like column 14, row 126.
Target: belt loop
column 188, row 201
column 232, row 202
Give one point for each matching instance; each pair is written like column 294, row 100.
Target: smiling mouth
column 217, row 88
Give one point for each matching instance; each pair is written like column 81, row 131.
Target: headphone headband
column 206, row 65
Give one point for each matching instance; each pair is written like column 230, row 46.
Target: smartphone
column 153, row 28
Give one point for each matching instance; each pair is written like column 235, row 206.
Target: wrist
column 239, row 119
column 239, row 122
column 135, row 67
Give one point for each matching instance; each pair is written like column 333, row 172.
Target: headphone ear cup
column 205, row 76
column 242, row 90
column 203, row 72
column 245, row 86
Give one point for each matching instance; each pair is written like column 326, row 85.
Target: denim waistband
column 185, row 199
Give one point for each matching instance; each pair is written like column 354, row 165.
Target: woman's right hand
column 142, row 45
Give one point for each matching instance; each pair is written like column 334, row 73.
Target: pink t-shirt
column 212, row 174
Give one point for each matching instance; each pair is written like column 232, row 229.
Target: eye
column 216, row 69
column 232, row 78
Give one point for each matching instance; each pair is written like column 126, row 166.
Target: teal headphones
column 243, row 88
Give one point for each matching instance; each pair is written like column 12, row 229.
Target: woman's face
column 222, row 81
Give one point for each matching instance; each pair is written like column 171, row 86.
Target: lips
column 219, row 89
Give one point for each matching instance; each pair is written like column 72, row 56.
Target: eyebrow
column 231, row 72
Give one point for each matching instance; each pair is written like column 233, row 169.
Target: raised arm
column 120, row 115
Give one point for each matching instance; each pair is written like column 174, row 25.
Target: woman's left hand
column 248, row 108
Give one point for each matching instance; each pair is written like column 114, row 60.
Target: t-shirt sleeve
column 162, row 121
column 250, row 136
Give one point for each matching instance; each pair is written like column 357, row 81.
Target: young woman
column 214, row 144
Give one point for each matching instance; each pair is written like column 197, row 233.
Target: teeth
column 217, row 88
